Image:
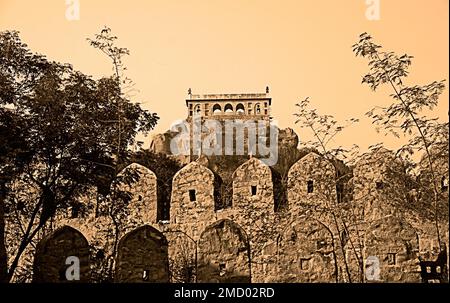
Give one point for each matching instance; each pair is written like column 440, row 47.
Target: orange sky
column 298, row 48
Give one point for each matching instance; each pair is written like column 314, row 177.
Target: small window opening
column 321, row 243
column 254, row 189
column 304, row 264
column 145, row 275
column 192, row 195
column 379, row 185
column 392, row 259
column 293, row 237
column 310, row 186
column 75, row 211
column 222, row 269
column 444, row 183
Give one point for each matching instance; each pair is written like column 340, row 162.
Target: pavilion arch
column 224, row 253
column 306, row 252
column 142, row 256
column 217, row 109
column 53, row 251
column 258, row 110
column 228, row 108
column 240, row 109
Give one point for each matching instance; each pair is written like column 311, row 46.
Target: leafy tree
column 13, row 156
column 118, row 198
column 324, row 129
column 71, row 147
column 18, row 71
column 405, row 115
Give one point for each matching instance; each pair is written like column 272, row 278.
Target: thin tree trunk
column 111, row 274
column 23, row 245
column 428, row 155
column 27, row 238
column 3, row 255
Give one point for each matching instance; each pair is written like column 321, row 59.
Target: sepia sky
column 298, row 48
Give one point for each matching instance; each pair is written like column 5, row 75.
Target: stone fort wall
column 249, row 241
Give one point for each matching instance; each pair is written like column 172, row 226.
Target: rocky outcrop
column 287, row 138
column 160, row 143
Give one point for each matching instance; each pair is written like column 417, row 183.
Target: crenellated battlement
column 299, row 243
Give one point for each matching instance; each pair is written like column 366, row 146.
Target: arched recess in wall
column 143, row 256
column 197, row 109
column 240, row 109
column 53, row 251
column 395, row 243
column 217, row 109
column 228, row 108
column 224, row 254
column 305, row 250
column 182, row 256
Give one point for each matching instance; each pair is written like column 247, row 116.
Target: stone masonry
column 247, row 240
column 317, row 237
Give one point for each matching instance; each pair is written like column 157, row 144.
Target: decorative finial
column 267, row 89
column 189, row 91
